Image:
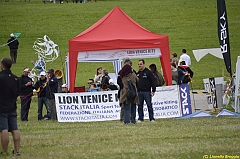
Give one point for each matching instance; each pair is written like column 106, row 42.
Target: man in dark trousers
column 40, row 87
column 51, row 88
column 9, row 91
column 146, row 89
column 13, row 46
column 26, row 93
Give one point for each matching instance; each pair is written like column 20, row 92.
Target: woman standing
column 174, row 73
column 98, row 76
column 159, row 80
column 175, row 59
column 129, row 105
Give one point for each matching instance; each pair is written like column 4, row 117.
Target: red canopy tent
column 117, row 31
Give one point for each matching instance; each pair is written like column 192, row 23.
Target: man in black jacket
column 146, row 89
column 9, row 91
column 51, row 88
column 26, row 93
column 13, row 46
column 40, row 87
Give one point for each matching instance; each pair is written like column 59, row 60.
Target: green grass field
column 190, row 24
column 166, row 138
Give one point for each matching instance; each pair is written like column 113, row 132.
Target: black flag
column 223, row 34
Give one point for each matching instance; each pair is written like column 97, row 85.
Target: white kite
column 47, row 51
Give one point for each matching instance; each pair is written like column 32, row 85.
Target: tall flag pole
column 223, row 34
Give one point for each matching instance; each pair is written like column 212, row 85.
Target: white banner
column 166, row 103
column 88, row 106
column 102, row 106
column 107, row 55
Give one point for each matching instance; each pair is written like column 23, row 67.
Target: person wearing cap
column 40, row 87
column 185, row 57
column 51, row 88
column 9, row 91
column 64, row 88
column 112, row 86
column 13, row 46
column 26, row 93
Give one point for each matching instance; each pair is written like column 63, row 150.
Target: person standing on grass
column 9, row 91
column 174, row 59
column 26, row 93
column 158, row 77
column 185, row 74
column 51, row 88
column 127, row 61
column 127, row 74
column 174, row 73
column 185, row 57
column 13, row 46
column 146, row 89
column 40, row 87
